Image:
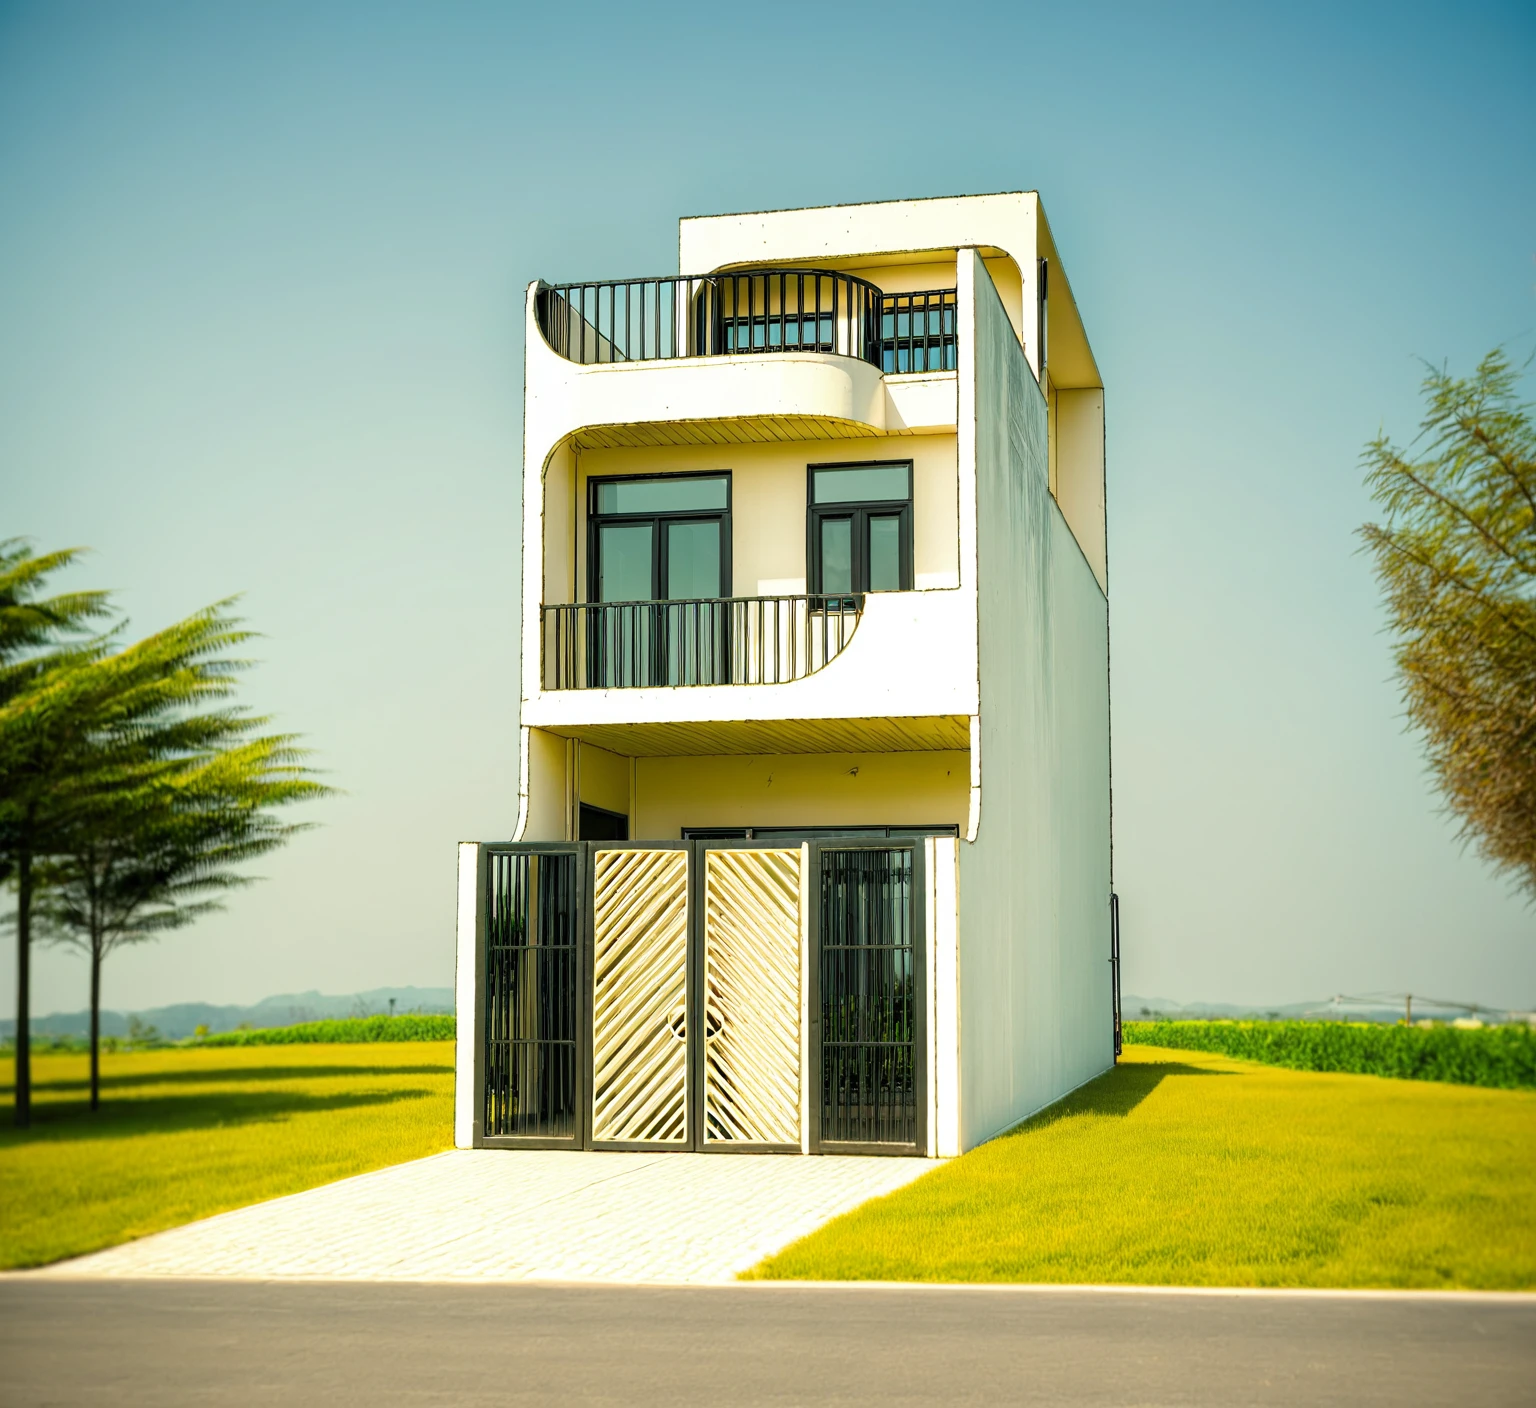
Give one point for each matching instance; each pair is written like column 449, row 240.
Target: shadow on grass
column 194, row 1076
column 66, row 1122
column 1116, row 1092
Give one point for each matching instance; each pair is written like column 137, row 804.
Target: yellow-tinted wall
column 802, row 789
column 559, row 526
column 548, row 817
column 768, row 506
column 604, row 778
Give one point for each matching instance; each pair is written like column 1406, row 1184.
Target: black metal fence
column 868, row 990
column 707, row 315
column 532, row 976
column 713, row 640
column 1114, row 966
column 917, row 331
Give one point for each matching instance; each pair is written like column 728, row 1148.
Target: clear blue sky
column 261, row 271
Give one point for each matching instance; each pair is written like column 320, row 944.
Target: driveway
column 172, row 1342
column 510, row 1215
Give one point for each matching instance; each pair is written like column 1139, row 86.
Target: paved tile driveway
column 522, row 1215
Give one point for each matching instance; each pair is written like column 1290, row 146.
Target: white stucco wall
column 465, row 997
column 1034, row 975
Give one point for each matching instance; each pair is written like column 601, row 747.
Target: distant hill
column 285, row 1010
column 1384, row 1009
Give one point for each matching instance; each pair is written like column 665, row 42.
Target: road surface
column 228, row 1342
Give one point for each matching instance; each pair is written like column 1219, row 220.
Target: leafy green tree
column 41, row 638
column 93, row 735
column 158, row 856
column 1456, row 557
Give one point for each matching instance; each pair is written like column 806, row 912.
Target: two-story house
column 812, row 848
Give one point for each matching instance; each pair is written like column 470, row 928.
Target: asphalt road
column 228, row 1342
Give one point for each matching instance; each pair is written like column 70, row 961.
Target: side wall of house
column 1034, row 982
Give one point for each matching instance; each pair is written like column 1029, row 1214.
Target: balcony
column 711, row 641
column 761, row 311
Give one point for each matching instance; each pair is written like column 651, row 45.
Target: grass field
column 1186, row 1168
column 185, row 1133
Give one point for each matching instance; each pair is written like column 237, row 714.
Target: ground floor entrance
column 706, row 995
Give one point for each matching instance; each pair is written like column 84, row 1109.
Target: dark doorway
column 599, row 824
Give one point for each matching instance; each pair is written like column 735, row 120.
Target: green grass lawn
column 1181, row 1168
column 185, row 1133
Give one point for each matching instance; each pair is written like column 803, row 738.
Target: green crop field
column 185, row 1133
column 1501, row 1057
column 406, row 1027
column 1183, row 1168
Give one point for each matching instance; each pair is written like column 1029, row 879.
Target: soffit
column 944, row 733
column 740, row 430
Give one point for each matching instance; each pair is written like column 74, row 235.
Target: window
column 811, row 833
column 860, row 528
column 662, row 538
column 917, row 331
column 658, row 564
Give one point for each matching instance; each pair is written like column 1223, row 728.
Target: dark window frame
column 597, row 520
column 796, row 834
column 860, row 513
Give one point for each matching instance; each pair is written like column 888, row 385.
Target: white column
column 466, row 1124
column 944, row 944
column 805, row 998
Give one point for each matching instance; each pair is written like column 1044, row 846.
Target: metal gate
column 870, row 999
column 532, row 1052
column 716, row 996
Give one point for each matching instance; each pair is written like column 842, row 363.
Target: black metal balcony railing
column 708, row 315
column 717, row 640
column 917, row 331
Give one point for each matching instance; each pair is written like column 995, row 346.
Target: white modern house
column 812, row 849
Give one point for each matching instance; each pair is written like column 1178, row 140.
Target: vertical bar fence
column 532, row 1009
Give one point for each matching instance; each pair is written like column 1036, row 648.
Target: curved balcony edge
column 710, row 315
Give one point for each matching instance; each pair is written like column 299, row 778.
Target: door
column 752, row 995
column 640, row 1027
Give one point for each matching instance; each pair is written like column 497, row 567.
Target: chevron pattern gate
column 640, row 997
column 752, row 997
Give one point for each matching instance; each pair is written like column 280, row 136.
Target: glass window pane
column 885, row 553
column 624, row 562
column 675, row 494
column 836, row 555
column 861, row 485
column 693, row 560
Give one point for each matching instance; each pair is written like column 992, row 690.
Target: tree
column 40, row 637
column 93, row 735
column 1456, row 557
column 158, row 856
